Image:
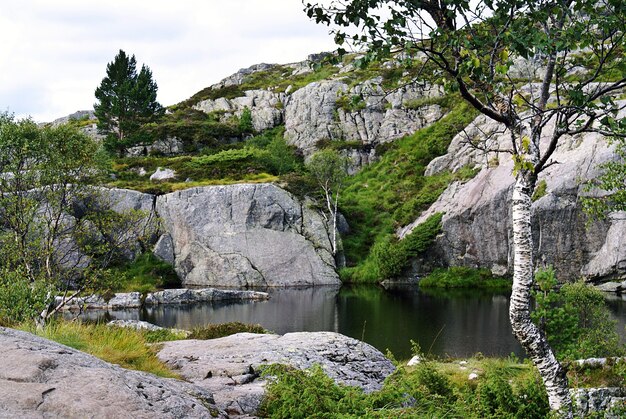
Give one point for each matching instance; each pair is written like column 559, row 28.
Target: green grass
column 145, row 274
column 462, row 277
column 126, row 347
column 259, row 159
column 394, row 191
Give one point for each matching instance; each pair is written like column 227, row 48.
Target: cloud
column 54, row 54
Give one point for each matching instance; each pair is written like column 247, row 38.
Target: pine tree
column 125, row 101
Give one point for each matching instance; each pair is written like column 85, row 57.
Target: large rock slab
column 315, row 113
column 477, row 226
column 229, row 366
column 43, row 379
column 246, row 235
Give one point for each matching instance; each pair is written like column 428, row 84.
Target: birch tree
column 329, row 170
column 471, row 47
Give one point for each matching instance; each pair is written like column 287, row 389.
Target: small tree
column 470, row 47
column 50, row 240
column 330, row 170
column 125, row 101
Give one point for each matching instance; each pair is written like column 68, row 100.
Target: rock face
column 477, row 227
column 588, row 401
column 246, row 236
column 43, row 379
column 265, row 107
column 368, row 115
column 229, row 366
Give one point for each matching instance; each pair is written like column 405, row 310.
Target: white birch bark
column 527, row 333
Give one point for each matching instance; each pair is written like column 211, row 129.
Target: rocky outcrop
column 229, row 366
column 330, row 110
column 608, row 401
column 126, row 300
column 43, row 379
column 265, row 108
column 246, row 235
column 477, row 226
column 190, row 296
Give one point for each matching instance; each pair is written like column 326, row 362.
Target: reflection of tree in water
column 454, row 322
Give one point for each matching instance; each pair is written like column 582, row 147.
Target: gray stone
column 477, row 226
column 312, row 114
column 125, row 300
column 135, row 324
column 229, row 366
column 162, row 174
column 189, row 296
column 164, row 249
column 592, row 400
column 616, row 287
column 246, row 235
column 264, row 106
column 43, row 379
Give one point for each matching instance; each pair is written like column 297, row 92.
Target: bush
column 462, row 277
column 214, row 331
column 21, row 300
column 574, row 318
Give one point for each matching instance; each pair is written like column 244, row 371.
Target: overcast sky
column 53, row 54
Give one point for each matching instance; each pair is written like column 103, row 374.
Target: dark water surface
column 457, row 324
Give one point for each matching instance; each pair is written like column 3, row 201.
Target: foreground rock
column 477, row 225
column 246, row 235
column 43, row 379
column 229, row 366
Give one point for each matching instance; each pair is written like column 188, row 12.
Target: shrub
column 463, row 277
column 20, row 299
column 214, row 331
column 574, row 318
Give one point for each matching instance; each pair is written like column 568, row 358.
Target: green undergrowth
column 389, row 257
column 463, row 277
column 262, row 158
column 145, row 274
column 505, row 388
column 394, row 191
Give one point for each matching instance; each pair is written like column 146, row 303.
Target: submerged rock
column 229, row 366
column 43, row 379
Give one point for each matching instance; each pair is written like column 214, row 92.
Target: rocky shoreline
column 130, row 300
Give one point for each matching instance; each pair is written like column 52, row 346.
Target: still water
column 456, row 324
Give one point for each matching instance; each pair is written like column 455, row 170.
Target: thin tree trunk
column 527, row 333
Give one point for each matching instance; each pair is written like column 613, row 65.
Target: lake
column 443, row 323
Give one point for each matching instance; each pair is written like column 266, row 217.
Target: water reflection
column 455, row 324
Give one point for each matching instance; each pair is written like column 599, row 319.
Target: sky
column 53, row 54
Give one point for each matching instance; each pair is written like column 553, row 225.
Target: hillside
column 420, row 197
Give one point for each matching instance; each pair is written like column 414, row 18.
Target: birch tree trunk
column 527, row 333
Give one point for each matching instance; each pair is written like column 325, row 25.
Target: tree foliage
column 330, row 170
column 575, row 319
column 54, row 235
column 126, row 100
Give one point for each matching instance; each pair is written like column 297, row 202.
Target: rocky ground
column 43, row 379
